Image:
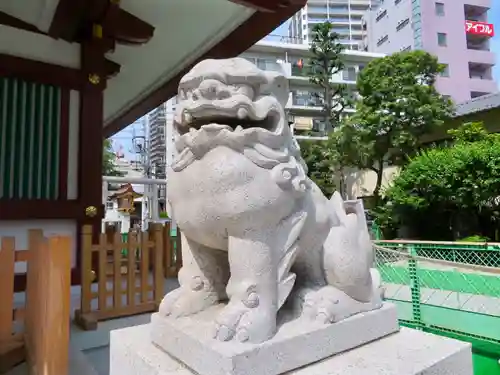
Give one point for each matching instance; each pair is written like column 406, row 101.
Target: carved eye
column 223, row 94
column 245, row 90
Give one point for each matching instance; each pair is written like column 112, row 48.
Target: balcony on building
column 478, row 31
column 299, row 70
column 480, row 71
column 305, row 98
column 477, row 94
column 309, row 103
column 477, row 10
column 478, row 47
column 481, row 79
column 478, row 42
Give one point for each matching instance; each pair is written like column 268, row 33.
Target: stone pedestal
column 407, row 352
column 297, row 343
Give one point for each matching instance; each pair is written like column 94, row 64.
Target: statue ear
column 277, row 86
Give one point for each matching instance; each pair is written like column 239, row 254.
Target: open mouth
column 269, row 123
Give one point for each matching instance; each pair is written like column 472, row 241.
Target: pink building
column 456, row 31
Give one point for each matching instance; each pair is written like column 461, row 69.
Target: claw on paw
column 186, row 301
column 329, row 305
column 246, row 324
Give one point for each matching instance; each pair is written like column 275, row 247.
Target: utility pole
column 141, row 143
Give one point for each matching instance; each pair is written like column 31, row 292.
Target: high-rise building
column 344, row 15
column 157, row 151
column 157, row 122
column 456, row 31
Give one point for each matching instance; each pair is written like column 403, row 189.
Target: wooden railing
column 44, row 338
column 125, row 284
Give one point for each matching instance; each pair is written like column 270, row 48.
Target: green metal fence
column 448, row 288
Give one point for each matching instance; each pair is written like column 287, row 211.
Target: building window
column 406, row 49
column 349, row 74
column 402, row 24
column 439, row 9
column 446, row 71
column 442, row 42
column 381, row 15
column 109, row 205
column 382, row 40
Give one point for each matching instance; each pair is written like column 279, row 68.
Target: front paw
column 330, row 305
column 185, row 301
column 246, row 321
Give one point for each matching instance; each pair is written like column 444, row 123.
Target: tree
column 326, row 161
column 322, row 164
column 322, row 157
column 326, row 61
column 398, row 104
column 108, row 160
column 448, row 192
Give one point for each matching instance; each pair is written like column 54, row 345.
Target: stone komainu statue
column 256, row 231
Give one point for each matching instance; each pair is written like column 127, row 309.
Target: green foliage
column 398, row 104
column 474, row 238
column 470, row 132
column 326, row 61
column 108, row 160
column 328, row 160
column 448, row 192
column 322, row 164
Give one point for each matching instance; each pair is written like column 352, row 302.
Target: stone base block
column 408, row 352
column 297, row 343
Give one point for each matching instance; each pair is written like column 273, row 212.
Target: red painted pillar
column 91, row 135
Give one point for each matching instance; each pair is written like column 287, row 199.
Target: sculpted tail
column 348, row 244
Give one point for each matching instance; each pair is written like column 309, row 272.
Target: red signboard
column 479, row 28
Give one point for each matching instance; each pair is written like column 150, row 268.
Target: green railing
column 448, row 288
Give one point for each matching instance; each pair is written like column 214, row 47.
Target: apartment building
column 157, row 126
column 458, row 32
column 345, row 16
column 157, row 156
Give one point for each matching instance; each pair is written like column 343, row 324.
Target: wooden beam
column 34, row 209
column 67, row 19
column 126, row 28
column 8, row 20
column 74, row 19
column 111, row 68
column 266, row 5
column 40, row 72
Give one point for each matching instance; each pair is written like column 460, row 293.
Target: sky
column 123, row 139
column 494, row 17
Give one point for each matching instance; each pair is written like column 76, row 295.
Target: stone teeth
column 187, row 118
column 242, row 113
column 239, row 128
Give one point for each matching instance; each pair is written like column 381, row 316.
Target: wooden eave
column 76, row 21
